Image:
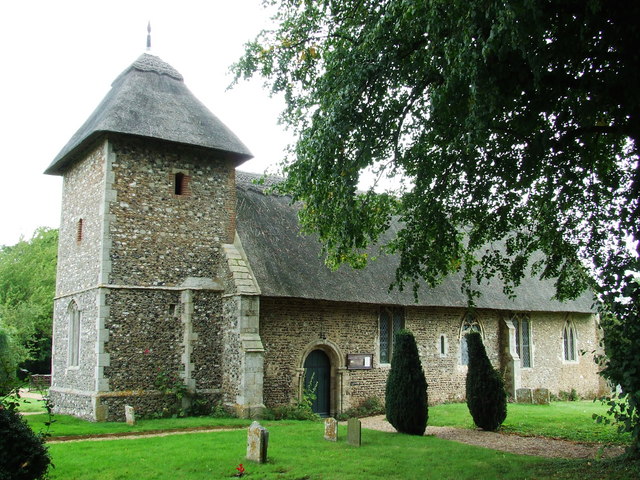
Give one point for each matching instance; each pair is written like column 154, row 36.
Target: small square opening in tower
column 181, row 184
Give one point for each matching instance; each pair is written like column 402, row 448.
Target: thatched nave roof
column 288, row 264
column 149, row 99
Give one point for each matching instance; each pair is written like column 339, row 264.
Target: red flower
column 240, row 469
column 147, row 351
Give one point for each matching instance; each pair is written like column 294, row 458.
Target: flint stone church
column 173, row 262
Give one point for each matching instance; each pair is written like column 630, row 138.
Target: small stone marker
column 130, row 415
column 354, row 432
column 541, row 396
column 523, row 395
column 331, row 429
column 257, row 443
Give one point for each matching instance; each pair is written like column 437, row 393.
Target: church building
column 173, row 263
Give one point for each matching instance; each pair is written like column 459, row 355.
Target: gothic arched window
column 469, row 324
column 522, row 326
column 569, row 342
column 391, row 321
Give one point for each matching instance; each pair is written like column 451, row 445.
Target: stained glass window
column 469, row 324
column 522, row 326
column 391, row 321
column 569, row 340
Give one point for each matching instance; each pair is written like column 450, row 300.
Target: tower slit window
column 74, row 335
column 443, row 345
column 79, row 230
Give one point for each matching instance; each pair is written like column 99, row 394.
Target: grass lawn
column 30, row 405
column 567, row 420
column 65, row 425
column 297, row 450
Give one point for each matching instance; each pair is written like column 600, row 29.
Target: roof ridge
column 150, row 63
column 260, row 182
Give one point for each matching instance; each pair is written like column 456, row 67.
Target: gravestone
column 523, row 395
column 541, row 396
column 354, row 432
column 257, row 443
column 130, row 415
column 331, row 429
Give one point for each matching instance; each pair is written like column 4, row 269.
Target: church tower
column 143, row 282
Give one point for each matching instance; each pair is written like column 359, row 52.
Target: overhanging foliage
column 511, row 122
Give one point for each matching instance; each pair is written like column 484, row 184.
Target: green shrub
column 406, row 391
column 203, row 407
column 571, row 396
column 302, row 410
column 289, row 412
column 486, row 397
column 369, row 407
column 23, row 454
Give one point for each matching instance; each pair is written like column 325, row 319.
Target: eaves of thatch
column 287, row 263
column 150, row 100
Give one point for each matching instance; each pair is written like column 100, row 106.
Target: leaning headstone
column 541, row 396
column 354, row 432
column 257, row 443
column 130, row 415
column 331, row 429
column 523, row 395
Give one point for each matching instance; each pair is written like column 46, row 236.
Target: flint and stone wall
column 548, row 356
column 72, row 387
column 288, row 327
column 150, row 265
column 79, row 253
column 159, row 238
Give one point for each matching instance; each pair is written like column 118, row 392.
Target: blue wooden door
column 317, row 376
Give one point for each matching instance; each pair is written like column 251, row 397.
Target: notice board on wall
column 359, row 361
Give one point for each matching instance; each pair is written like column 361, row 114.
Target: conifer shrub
column 486, row 397
column 23, row 454
column 406, row 392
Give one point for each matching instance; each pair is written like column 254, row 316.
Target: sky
column 60, row 57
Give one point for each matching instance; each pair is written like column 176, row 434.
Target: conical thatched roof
column 149, row 99
column 289, row 264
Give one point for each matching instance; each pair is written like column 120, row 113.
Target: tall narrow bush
column 486, row 397
column 23, row 454
column 406, row 392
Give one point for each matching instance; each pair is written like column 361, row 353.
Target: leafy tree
column 486, row 397
column 511, row 123
column 406, row 392
column 8, row 362
column 27, row 287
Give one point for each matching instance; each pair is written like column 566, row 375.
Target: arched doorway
column 317, row 378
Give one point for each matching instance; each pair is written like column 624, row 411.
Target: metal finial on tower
column 149, row 36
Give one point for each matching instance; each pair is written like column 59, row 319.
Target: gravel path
column 538, row 446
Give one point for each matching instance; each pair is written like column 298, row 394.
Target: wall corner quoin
column 244, row 366
column 510, row 359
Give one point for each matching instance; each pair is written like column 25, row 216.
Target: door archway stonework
column 337, row 369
